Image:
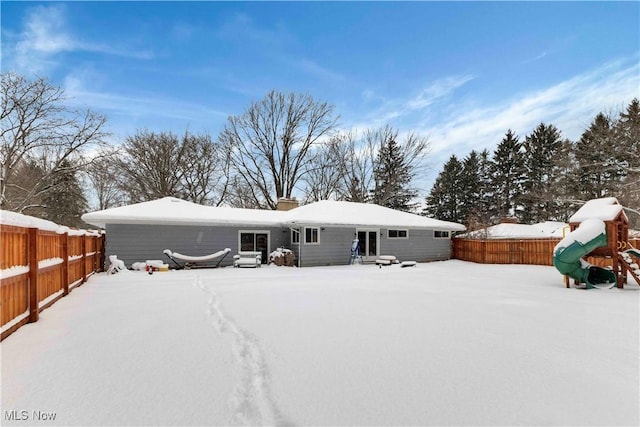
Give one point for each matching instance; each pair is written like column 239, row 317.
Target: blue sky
column 461, row 73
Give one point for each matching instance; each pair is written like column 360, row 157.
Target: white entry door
column 368, row 241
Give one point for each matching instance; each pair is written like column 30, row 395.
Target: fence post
column 83, row 247
column 34, row 309
column 65, row 264
column 484, row 251
column 103, row 247
column 95, row 253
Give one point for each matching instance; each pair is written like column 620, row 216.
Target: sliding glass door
column 368, row 241
column 255, row 241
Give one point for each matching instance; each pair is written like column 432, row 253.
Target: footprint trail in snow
column 250, row 402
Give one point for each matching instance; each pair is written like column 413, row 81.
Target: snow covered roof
column 328, row 212
column 605, row 209
column 543, row 230
column 170, row 210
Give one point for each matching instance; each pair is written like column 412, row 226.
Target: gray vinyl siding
column 134, row 243
column 421, row 246
column 139, row 242
column 335, row 247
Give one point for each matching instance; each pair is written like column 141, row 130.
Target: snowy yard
column 445, row 343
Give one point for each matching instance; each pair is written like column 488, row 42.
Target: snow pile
column 543, row 230
column 19, row 220
column 606, row 209
column 587, row 231
column 443, row 343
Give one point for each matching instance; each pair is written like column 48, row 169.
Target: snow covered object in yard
column 282, row 257
column 606, row 209
column 598, row 229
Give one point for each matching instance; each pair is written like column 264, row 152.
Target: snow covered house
column 319, row 233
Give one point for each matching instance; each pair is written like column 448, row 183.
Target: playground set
column 599, row 229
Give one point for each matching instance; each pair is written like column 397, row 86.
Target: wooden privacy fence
column 514, row 251
column 39, row 267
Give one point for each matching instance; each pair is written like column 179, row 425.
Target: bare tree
column 102, row 172
column 270, row 143
column 154, row 165
column 324, row 177
column 206, row 172
column 241, row 194
column 36, row 124
column 150, row 166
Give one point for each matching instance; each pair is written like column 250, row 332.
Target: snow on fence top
column 26, row 221
column 170, row 210
column 605, row 209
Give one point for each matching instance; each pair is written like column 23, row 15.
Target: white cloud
column 535, row 58
column 127, row 112
column 459, row 127
column 46, row 33
column 570, row 105
column 402, row 111
column 436, row 91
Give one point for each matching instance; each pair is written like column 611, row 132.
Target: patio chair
column 247, row 259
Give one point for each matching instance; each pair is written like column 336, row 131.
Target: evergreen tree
column 600, row 170
column 65, row 201
column 472, row 189
column 507, row 175
column 445, row 199
column 482, row 214
column 392, row 178
column 540, row 150
column 627, row 133
column 565, row 185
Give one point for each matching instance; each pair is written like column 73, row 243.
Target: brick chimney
column 285, row 204
column 509, row 220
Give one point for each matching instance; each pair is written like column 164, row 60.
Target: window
column 295, row 237
column 398, row 234
column 312, row 236
column 441, row 234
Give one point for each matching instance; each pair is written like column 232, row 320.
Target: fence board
column 35, row 259
column 514, row 251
